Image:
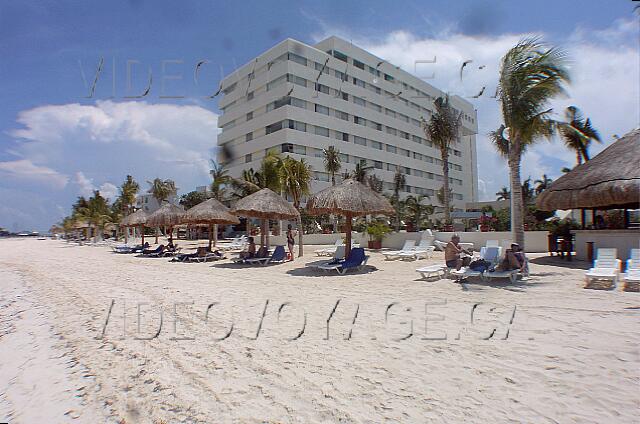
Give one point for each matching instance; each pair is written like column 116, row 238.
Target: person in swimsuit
column 290, row 240
column 452, row 253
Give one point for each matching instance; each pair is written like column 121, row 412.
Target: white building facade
column 297, row 100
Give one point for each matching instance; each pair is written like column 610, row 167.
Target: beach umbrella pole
column 210, row 236
column 347, row 244
column 215, row 234
column 142, row 233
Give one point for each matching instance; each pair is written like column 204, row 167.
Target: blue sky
column 56, row 144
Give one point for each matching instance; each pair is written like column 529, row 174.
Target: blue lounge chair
column 278, row 256
column 356, row 260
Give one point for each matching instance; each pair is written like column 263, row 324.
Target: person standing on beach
column 291, row 241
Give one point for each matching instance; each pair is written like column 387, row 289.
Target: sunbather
column 452, row 254
column 513, row 259
column 251, row 250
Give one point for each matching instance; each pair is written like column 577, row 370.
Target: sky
column 60, row 139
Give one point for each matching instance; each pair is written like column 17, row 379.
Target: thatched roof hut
column 210, row 212
column 167, row 216
column 349, row 198
column 135, row 219
column 611, row 180
column 265, row 204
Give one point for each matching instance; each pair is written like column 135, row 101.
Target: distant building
column 149, row 204
column 496, row 205
column 296, row 99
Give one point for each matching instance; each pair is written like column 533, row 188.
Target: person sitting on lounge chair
column 513, row 259
column 452, row 253
column 251, row 250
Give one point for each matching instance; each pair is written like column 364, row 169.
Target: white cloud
column 85, row 185
column 24, row 169
column 109, row 191
column 604, row 68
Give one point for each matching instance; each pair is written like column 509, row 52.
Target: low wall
column 535, row 241
column 623, row 240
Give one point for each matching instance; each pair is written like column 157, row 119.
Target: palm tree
column 578, row 133
column 542, row 184
column 416, row 210
column 295, row 176
column 359, row 173
column 527, row 191
column 95, row 212
column 220, row 180
column 375, row 183
column 399, row 182
column 443, row 129
column 530, row 76
column 503, row 194
column 332, row 162
column 123, row 205
column 161, row 191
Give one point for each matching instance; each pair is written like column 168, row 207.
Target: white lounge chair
column 432, row 270
column 492, row 243
column 489, row 254
column 606, row 267
column 440, row 245
column 632, row 276
column 328, row 251
column 422, row 251
column 406, row 248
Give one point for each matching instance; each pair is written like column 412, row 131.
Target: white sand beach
column 275, row 347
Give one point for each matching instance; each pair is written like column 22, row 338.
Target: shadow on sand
column 310, row 271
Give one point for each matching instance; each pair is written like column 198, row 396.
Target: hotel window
column 416, row 139
column 374, row 88
column 249, row 116
column 296, row 125
column 250, row 96
column 359, row 120
column 457, row 153
column 322, row 109
column 392, row 131
column 415, row 122
column 273, row 127
column 287, row 148
column 359, row 101
column 404, row 152
column 377, row 164
column 373, row 71
column 388, row 77
column 338, row 135
column 391, row 149
column 248, row 137
column 340, row 56
column 391, row 167
column 345, row 96
column 428, row 159
column 404, row 135
column 375, row 107
column 340, row 75
column 247, row 158
column 276, row 82
column 430, row 175
column 229, row 125
column 344, row 158
column 299, row 150
column 230, row 88
column 322, row 88
column 358, row 82
column 358, row 64
column 322, row 176
column 298, row 103
column 322, row 131
column 278, row 103
column 407, row 170
column 298, row 59
column 296, row 80
column 342, row 115
column 390, row 112
column 376, row 145
column 320, row 66
column 360, row 140
column 345, row 137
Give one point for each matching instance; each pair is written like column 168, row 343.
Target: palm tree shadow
column 520, row 286
column 556, row 261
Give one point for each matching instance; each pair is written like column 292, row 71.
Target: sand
column 285, row 344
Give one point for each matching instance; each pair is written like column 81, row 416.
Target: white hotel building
column 298, row 99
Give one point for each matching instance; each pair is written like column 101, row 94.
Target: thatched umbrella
column 84, row 226
column 349, row 198
column 610, row 180
column 210, row 212
column 265, row 205
column 168, row 215
column 136, row 219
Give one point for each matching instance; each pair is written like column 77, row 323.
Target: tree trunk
column 347, row 243
column 579, row 157
column 397, row 206
column 517, row 229
column 445, row 195
column 215, row 234
column 263, row 227
column 210, row 235
column 142, row 233
column 157, row 234
column 300, row 248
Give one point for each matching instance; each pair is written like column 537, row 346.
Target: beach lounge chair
column 262, row 253
column 406, row 248
column 155, row 253
column 278, row 256
column 440, row 245
column 122, row 249
column 606, row 267
column 432, row 270
column 489, row 254
column 328, row 251
column 356, row 260
column 238, row 243
column 632, row 276
column 492, row 243
column 422, row 251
